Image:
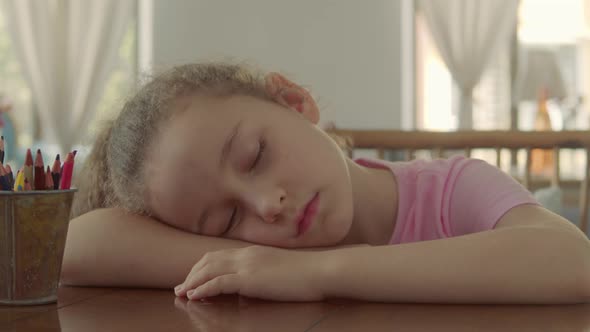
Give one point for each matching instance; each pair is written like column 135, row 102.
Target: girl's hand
column 257, row 271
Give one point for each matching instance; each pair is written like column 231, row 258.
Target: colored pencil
column 48, row 179
column 4, row 184
column 62, row 166
column 56, row 172
column 28, row 185
column 35, row 175
column 1, row 149
column 66, row 175
column 19, row 183
column 8, row 172
column 28, row 169
column 39, row 181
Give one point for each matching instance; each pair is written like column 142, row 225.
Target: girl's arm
column 109, row 247
column 521, row 264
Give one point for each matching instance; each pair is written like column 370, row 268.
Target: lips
column 306, row 217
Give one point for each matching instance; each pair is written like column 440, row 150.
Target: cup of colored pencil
column 34, row 216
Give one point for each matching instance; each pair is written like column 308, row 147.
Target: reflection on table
column 108, row 309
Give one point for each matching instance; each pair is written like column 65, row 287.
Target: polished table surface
column 111, row 309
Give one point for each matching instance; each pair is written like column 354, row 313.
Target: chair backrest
column 439, row 142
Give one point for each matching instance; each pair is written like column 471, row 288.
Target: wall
column 347, row 52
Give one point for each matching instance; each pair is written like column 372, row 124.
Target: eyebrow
column 228, row 144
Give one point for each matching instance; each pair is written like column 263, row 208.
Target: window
column 555, row 24
column 437, row 94
column 14, row 89
column 119, row 85
column 434, row 84
column 14, row 86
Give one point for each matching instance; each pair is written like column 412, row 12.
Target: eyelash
column 262, row 146
column 231, row 220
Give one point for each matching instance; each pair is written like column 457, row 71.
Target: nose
column 267, row 203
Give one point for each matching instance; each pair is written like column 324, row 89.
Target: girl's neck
column 375, row 205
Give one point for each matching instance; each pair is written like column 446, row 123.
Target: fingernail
column 190, row 293
column 178, row 288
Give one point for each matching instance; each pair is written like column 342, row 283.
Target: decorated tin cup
column 33, row 230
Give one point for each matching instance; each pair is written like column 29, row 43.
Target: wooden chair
column 439, row 142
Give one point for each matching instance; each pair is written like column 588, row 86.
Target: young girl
column 208, row 159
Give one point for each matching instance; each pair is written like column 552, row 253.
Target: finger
column 182, row 288
column 187, row 284
column 219, row 258
column 225, row 284
column 199, row 277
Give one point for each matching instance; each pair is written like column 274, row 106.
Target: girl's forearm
column 109, row 247
column 488, row 267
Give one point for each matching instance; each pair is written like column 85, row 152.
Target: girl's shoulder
column 442, row 166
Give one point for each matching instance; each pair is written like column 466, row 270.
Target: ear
column 292, row 96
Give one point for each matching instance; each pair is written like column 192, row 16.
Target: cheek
column 179, row 220
column 344, row 217
column 256, row 231
column 298, row 162
column 171, row 211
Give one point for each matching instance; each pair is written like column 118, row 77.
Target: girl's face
column 244, row 168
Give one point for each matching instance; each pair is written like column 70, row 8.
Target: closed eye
column 261, row 147
column 231, row 222
column 259, row 154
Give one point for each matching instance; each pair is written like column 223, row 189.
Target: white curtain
column 67, row 49
column 466, row 33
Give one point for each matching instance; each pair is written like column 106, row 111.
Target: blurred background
column 66, row 66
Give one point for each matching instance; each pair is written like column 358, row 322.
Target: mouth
column 306, row 217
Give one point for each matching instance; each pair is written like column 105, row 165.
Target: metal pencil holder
column 33, row 230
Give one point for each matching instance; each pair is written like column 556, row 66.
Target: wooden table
column 108, row 309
